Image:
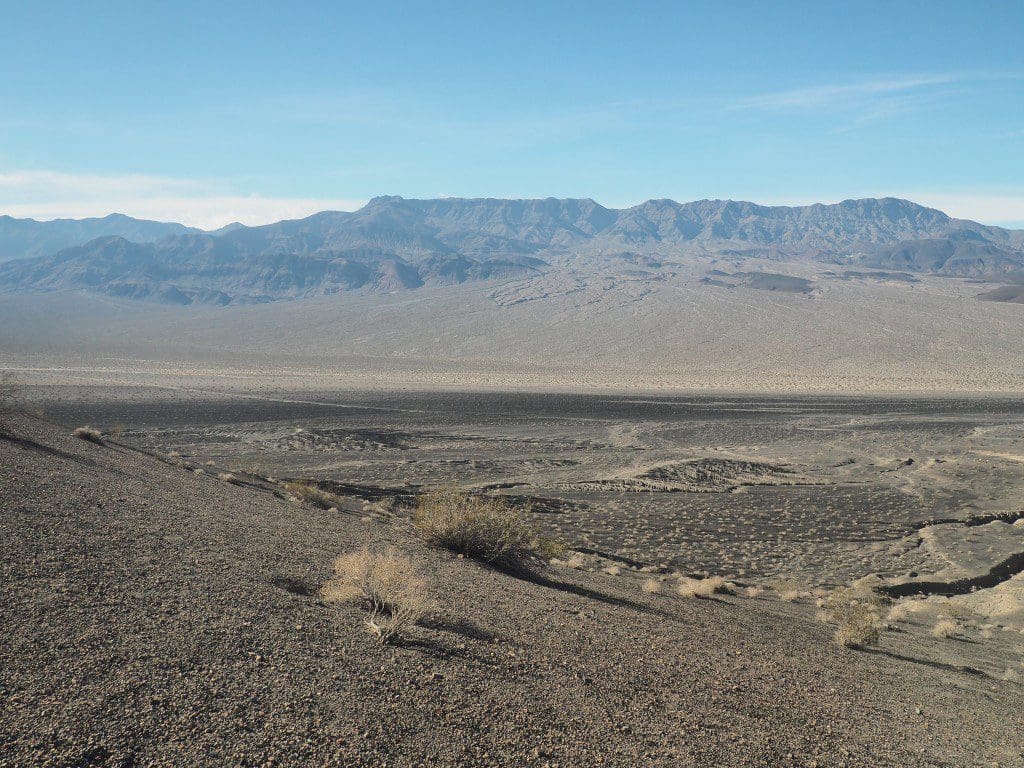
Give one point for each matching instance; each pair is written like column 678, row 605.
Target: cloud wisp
column 827, row 95
column 855, row 94
column 999, row 207
column 204, row 204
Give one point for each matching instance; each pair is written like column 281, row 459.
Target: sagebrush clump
column 309, row 491
column 945, row 628
column 788, row 590
column 857, row 612
column 89, row 434
column 485, row 528
column 388, row 584
column 707, row 587
column 651, row 586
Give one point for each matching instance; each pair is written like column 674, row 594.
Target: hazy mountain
column 218, row 270
column 416, row 228
column 396, row 244
column 963, row 253
column 25, row 238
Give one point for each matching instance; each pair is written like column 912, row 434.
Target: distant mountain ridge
column 27, row 238
column 397, row 244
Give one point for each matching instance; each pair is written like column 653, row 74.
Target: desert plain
column 786, row 497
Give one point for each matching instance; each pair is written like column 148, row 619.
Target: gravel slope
column 153, row 616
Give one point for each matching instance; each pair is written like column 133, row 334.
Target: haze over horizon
column 257, row 116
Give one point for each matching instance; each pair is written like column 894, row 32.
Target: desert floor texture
column 155, row 611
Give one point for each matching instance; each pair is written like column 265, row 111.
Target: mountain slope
column 27, row 238
column 397, row 244
column 210, row 270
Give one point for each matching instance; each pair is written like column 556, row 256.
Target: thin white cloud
column 838, row 93
column 1001, row 208
column 54, row 184
column 53, row 195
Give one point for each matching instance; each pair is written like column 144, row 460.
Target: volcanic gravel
column 151, row 615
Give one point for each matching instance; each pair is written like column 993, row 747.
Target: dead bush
column 651, row 586
column 707, row 587
column 308, row 490
column 788, row 590
column 548, row 549
column 945, row 628
column 89, row 434
column 387, row 584
column 857, row 612
column 485, row 528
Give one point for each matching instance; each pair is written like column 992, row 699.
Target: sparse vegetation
column 387, row 584
column 706, row 587
column 959, row 612
column 227, row 477
column 576, row 560
column 309, row 491
column 651, row 586
column 548, row 549
column 485, row 528
column 788, row 590
column 857, row 612
column 899, row 612
column 945, row 628
column 89, row 434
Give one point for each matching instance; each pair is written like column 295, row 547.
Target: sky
column 208, row 113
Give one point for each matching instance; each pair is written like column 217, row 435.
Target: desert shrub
column 788, row 590
column 576, row 560
column 227, row 477
column 89, row 434
column 689, row 587
column 959, row 611
column 481, row 527
column 307, row 490
column 387, row 584
column 945, row 628
column 548, row 549
column 899, row 612
column 651, row 586
column 857, row 612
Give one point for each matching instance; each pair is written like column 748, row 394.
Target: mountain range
column 395, row 244
column 25, row 238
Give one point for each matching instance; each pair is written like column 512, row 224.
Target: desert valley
column 718, row 436
column 501, row 385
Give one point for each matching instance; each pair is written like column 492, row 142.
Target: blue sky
column 181, row 111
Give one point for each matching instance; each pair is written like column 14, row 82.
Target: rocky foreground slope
column 153, row 615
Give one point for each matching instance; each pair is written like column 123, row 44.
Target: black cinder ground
column 150, row 615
